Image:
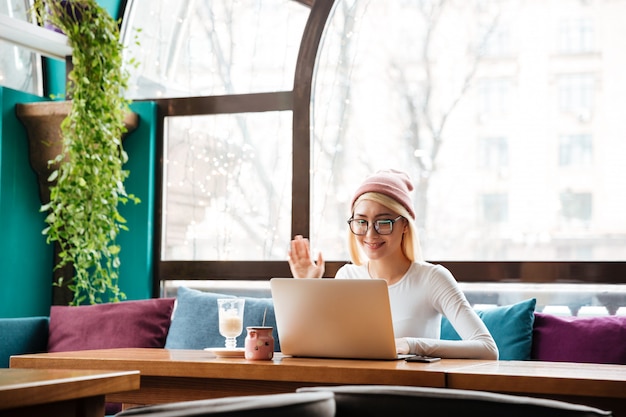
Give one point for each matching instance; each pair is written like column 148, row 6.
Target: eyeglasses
column 383, row 227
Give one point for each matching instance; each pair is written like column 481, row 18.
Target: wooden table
column 176, row 375
column 60, row 392
column 597, row 385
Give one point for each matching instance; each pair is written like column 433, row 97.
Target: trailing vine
column 86, row 188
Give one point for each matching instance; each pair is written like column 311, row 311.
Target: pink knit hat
column 392, row 183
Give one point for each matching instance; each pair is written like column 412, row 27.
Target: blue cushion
column 195, row 322
column 22, row 335
column 511, row 327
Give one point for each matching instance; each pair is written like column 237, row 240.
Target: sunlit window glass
column 227, row 187
column 212, row 47
column 20, row 68
column 492, row 118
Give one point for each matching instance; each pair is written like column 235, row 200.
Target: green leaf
column 53, row 176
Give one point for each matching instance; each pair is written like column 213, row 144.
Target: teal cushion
column 511, row 327
column 22, row 335
column 195, row 322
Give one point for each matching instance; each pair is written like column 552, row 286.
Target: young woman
column 383, row 243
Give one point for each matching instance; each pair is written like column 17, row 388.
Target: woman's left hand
column 402, row 346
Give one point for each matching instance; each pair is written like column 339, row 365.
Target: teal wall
column 26, row 259
column 137, row 244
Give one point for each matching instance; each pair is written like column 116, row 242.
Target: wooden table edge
column 93, row 384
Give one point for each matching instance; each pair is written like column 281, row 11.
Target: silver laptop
column 334, row 318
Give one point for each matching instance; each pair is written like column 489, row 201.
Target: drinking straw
column 264, row 313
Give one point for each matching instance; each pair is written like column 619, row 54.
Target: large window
column 445, row 90
column 270, row 123
column 226, row 173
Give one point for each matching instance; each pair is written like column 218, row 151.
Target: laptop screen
column 334, row 318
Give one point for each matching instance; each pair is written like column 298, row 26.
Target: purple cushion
column 579, row 339
column 142, row 323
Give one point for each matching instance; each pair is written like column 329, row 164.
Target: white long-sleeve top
column 418, row 301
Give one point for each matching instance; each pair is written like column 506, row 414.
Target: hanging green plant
column 83, row 216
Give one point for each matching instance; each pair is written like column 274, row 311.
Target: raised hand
column 300, row 261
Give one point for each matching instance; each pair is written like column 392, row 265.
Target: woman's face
column 374, row 245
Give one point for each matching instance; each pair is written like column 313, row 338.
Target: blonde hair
column 411, row 247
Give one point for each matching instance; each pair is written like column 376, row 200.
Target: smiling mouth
column 373, row 245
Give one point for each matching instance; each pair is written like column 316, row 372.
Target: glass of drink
column 231, row 319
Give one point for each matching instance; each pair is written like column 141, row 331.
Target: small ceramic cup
column 259, row 343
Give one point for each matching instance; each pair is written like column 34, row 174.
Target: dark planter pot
column 72, row 9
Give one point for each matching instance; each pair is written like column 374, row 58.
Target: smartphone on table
column 422, row 358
